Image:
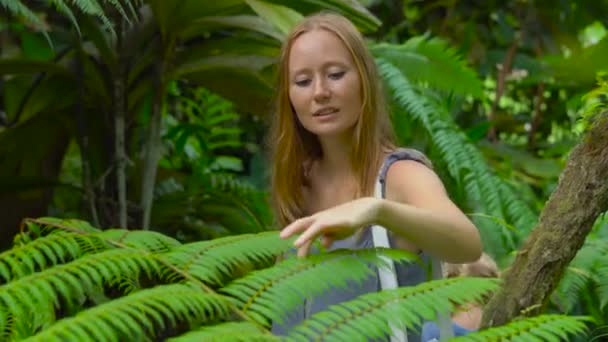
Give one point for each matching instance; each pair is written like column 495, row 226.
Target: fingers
column 296, row 226
column 327, row 241
column 310, row 234
column 305, row 248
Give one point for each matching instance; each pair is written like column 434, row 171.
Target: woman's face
column 324, row 85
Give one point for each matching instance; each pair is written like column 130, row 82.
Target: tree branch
column 503, row 71
column 536, row 116
column 580, row 197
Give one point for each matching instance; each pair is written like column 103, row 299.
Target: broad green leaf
column 245, row 22
column 351, row 9
column 283, row 18
column 16, row 66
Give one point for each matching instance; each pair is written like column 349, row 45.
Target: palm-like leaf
column 358, row 14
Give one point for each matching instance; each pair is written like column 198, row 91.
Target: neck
column 336, row 160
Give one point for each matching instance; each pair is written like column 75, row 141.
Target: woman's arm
column 416, row 208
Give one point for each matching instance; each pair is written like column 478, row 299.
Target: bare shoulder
column 412, row 182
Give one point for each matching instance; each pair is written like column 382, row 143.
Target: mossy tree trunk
column 580, row 197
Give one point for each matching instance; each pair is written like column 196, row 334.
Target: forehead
column 316, row 48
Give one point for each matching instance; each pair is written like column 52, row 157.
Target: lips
column 325, row 111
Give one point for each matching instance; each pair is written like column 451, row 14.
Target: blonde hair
column 484, row 267
column 293, row 148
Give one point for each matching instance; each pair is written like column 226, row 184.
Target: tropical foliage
column 67, row 281
column 148, row 113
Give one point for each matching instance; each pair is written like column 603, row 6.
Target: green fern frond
column 215, row 261
column 370, row 315
column 541, row 328
column 47, row 251
column 270, row 294
column 432, row 61
column 602, row 283
column 61, row 246
column 230, row 205
column 90, row 7
column 71, row 283
column 62, row 8
column 46, row 225
column 595, row 101
column 223, row 182
column 140, row 239
column 464, row 161
column 231, row 331
column 139, row 316
column 582, row 271
column 15, row 7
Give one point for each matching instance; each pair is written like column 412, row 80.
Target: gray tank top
column 407, row 274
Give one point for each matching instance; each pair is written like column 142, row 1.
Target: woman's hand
column 335, row 223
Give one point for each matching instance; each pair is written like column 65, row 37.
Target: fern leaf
column 542, row 328
column 44, row 252
column 371, row 315
column 272, row 293
column 139, row 316
column 65, row 10
column 432, row 61
column 212, row 261
column 141, row 239
column 47, row 225
column 602, row 283
column 231, row 331
column 465, row 162
column 70, row 283
column 582, row 271
column 62, row 246
column 19, row 9
column 116, row 4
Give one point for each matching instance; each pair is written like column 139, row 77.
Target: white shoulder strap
column 388, row 277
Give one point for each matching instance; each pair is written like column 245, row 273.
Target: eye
column 302, row 83
column 336, row 75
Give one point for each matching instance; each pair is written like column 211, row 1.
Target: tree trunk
column 153, row 152
column 580, row 197
column 119, row 126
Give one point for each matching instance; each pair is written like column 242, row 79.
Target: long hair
column 293, row 148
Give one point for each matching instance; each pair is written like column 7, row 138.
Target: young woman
column 331, row 138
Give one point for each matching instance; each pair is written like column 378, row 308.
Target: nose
column 322, row 92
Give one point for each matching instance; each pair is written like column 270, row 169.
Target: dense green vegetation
column 151, row 115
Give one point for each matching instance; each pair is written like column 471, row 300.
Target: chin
column 332, row 131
